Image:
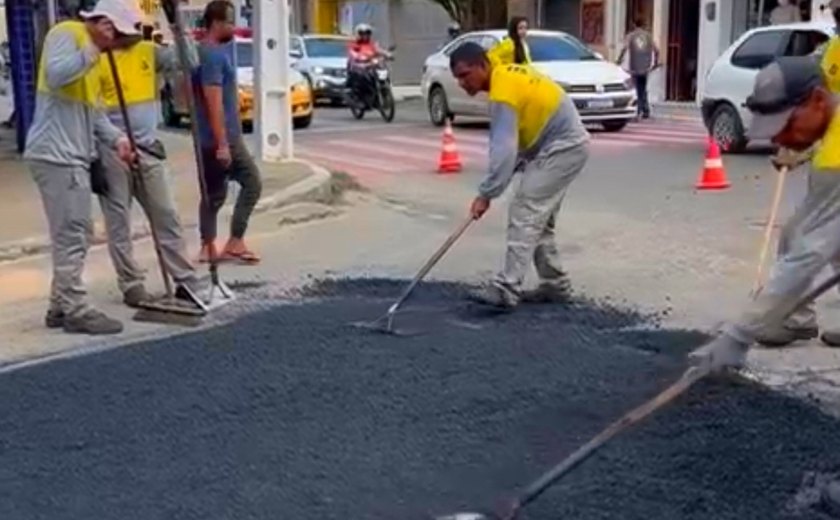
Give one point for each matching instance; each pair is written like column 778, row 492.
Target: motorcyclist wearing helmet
column 361, row 52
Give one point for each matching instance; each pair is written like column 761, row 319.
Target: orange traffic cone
column 713, row 176
column 450, row 159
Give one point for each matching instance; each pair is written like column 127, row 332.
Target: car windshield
column 558, row 48
column 244, row 54
column 326, row 47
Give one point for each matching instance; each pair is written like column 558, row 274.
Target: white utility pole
column 273, row 110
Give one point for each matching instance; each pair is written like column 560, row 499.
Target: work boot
column 830, row 497
column 54, row 319
column 777, row 337
column 550, row 291
column 495, row 295
column 721, row 353
column 135, row 295
column 831, row 338
column 92, row 322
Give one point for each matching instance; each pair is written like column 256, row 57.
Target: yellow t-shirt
column 827, row 153
column 533, row 96
column 830, row 64
column 503, row 52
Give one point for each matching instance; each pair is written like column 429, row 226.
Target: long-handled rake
column 689, row 378
column 385, row 323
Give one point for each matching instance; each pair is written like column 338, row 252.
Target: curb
column 317, row 187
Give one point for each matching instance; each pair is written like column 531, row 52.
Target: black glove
column 98, row 182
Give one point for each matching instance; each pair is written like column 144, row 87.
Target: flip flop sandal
column 245, row 257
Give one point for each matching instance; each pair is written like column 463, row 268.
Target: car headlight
column 565, row 86
column 628, row 83
column 317, row 70
column 300, row 86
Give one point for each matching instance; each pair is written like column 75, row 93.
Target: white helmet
column 364, row 28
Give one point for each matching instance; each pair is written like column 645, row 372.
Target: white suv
column 731, row 78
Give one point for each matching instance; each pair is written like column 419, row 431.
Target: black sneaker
column 54, row 319
column 494, row 295
column 135, row 295
column 778, row 337
column 831, row 338
column 92, row 322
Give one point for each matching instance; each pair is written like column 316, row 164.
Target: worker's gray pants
column 154, row 194
column 532, row 214
column 65, row 192
column 806, row 316
column 811, row 241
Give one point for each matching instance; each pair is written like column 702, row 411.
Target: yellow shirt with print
column 533, row 96
column 827, row 153
column 503, row 52
column 830, row 64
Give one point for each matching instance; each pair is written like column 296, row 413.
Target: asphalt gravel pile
column 291, row 413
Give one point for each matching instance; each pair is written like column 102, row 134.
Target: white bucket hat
column 124, row 14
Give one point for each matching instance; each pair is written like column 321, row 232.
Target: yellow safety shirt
column 86, row 88
column 533, row 96
column 503, row 52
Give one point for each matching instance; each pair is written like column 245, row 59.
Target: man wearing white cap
column 61, row 146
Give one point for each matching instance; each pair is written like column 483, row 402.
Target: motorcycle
column 373, row 90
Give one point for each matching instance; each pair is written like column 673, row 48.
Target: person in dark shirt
column 224, row 153
column 644, row 57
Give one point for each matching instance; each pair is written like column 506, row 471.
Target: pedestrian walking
column 139, row 62
column 514, row 47
column 535, row 124
column 643, row 58
column 61, row 145
column 224, row 154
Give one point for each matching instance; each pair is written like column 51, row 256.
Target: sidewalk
column 23, row 224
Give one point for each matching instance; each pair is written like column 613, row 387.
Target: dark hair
column 639, row 22
column 216, row 11
column 518, row 48
column 470, row 53
column 836, row 13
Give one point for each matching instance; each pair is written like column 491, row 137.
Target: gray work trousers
column 154, row 194
column 65, row 193
column 810, row 241
column 532, row 215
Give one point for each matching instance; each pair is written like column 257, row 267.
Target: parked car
column 322, row 59
column 602, row 91
column 732, row 76
column 173, row 97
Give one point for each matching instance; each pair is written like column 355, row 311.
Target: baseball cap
column 779, row 88
column 124, row 14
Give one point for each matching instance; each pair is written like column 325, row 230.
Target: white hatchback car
column 601, row 90
column 730, row 79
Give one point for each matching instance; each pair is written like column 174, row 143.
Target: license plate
column 600, row 103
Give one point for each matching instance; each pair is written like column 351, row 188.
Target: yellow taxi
column 174, row 101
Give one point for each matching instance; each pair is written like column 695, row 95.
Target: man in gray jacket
column 60, row 147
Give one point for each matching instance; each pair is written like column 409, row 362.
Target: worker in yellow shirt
column 535, row 123
column 791, row 106
column 514, row 47
column 139, row 62
column 830, row 53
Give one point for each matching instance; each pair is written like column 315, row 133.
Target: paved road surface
column 286, row 412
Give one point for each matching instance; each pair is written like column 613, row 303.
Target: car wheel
column 727, row 129
column 167, row 109
column 614, row 126
column 438, row 106
column 302, row 122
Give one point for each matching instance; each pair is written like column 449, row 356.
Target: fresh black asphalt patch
column 292, row 414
